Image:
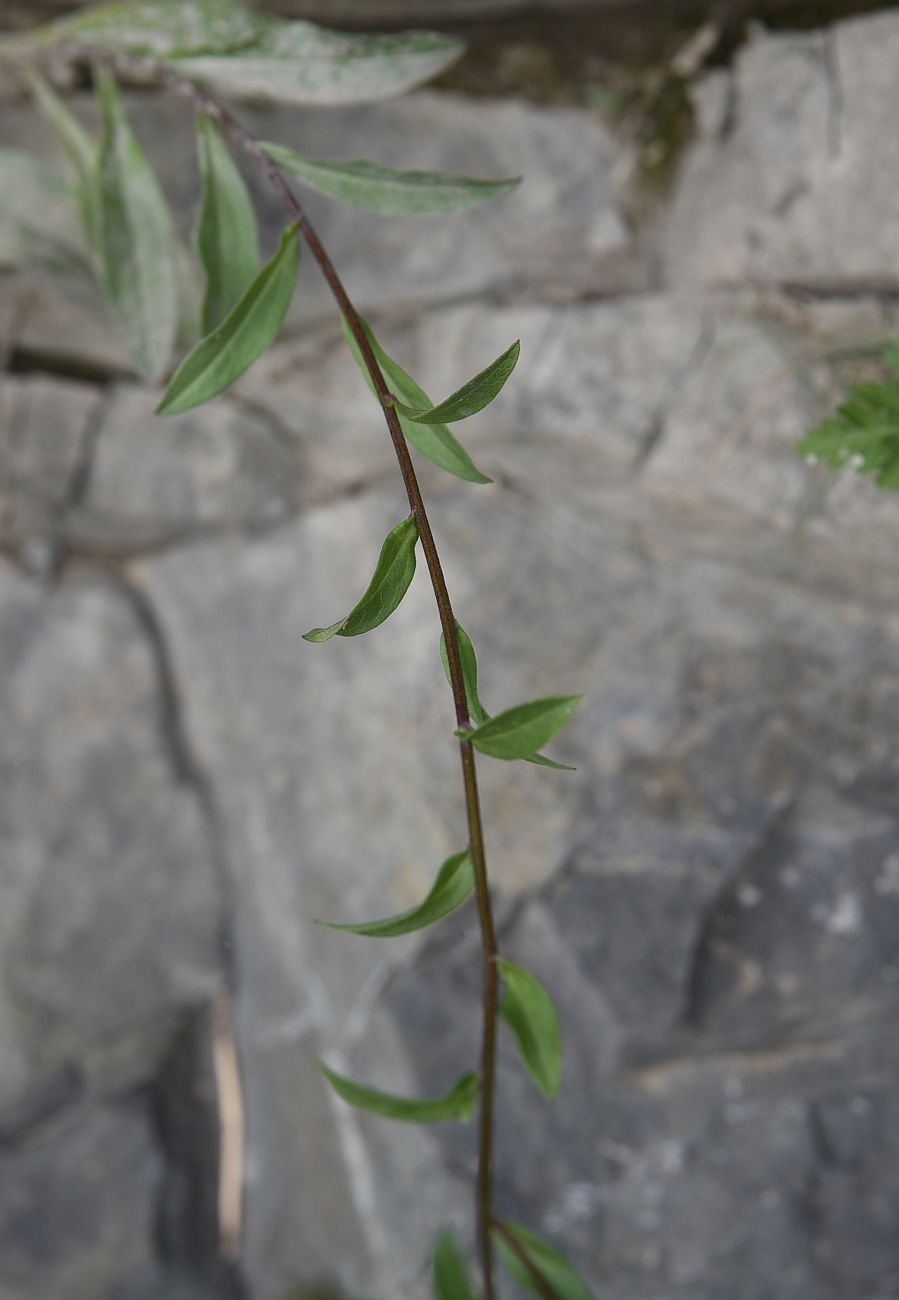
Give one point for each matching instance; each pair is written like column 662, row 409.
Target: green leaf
column 79, row 147
column 863, row 433
column 38, row 220
column 528, row 1011
column 245, row 333
column 393, row 573
column 561, row 1279
column 435, row 440
column 134, row 239
column 386, row 191
column 153, row 28
column 458, row 1103
column 227, row 236
column 476, row 710
column 301, row 63
column 451, row 1279
column 519, row 732
column 454, row 883
column 471, row 397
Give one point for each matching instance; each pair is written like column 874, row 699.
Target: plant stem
column 542, row 1285
column 242, row 137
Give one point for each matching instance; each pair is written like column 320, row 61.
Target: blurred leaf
column 471, row 397
column 435, row 440
column 863, row 433
column 393, row 573
column 227, row 237
column 458, row 1103
column 519, row 732
column 134, row 240
column 451, row 1279
column 38, row 218
column 529, row 1012
column 386, row 191
column 302, row 63
column 232, row 347
column 153, row 28
column 476, row 710
column 562, row 1280
column 454, row 883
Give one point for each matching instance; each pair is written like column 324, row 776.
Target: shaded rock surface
column 187, row 786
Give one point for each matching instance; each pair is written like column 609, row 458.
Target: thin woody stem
column 249, row 144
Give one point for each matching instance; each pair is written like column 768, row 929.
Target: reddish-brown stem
column 241, row 136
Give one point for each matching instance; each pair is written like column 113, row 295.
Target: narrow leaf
column 451, row 1279
column 519, row 732
column 227, row 237
column 528, row 1011
column 458, row 1103
column 393, row 573
column 79, row 147
column 454, row 883
column 476, row 710
column 301, row 63
column 386, row 191
column 243, row 336
column 471, row 397
column 559, row 1277
column 134, row 239
column 433, row 440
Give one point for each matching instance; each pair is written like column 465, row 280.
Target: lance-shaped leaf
column 153, row 27
column 301, row 63
column 387, row 191
column 528, row 1011
column 393, row 573
column 227, row 237
column 243, row 336
column 134, row 240
column 458, row 1103
column 454, row 883
column 519, row 732
column 451, row 1278
column 433, row 440
column 79, row 147
column 476, row 710
column 471, row 397
column 557, row 1275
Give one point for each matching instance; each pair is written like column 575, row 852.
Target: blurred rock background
column 703, row 252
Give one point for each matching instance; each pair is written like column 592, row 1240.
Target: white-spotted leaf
column 451, row 1278
column 433, row 440
column 529, row 1012
column 453, row 885
column 387, row 191
column 471, row 397
column 153, row 28
column 301, row 63
column 245, row 333
column 559, row 1278
column 227, row 236
column 134, row 239
column 519, row 732
column 393, row 573
column 458, row 1103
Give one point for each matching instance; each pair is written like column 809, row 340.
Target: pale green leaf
column 459, row 1102
column 153, row 28
column 561, row 1280
column 79, row 147
column 528, row 1011
column 134, row 240
column 227, row 236
column 433, row 440
column 471, row 397
column 520, row 731
column 393, row 573
column 245, row 333
column 38, row 218
column 302, row 63
column 476, row 710
column 454, row 883
column 386, row 191
column 451, row 1278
